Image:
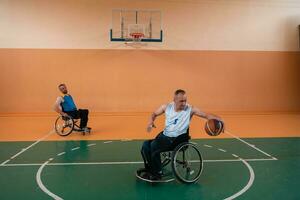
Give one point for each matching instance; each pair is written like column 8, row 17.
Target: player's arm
column 199, row 113
column 153, row 116
column 57, row 107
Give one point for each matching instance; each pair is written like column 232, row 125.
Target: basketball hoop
column 136, row 37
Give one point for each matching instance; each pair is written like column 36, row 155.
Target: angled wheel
column 187, row 163
column 64, row 125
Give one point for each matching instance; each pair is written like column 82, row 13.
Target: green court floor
column 105, row 170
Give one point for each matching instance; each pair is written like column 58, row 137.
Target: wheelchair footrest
column 88, row 130
column 164, row 179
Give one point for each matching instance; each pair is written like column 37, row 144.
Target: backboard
column 127, row 24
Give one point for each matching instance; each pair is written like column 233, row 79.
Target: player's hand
column 215, row 117
column 149, row 127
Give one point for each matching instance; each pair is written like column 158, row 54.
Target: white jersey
column 177, row 123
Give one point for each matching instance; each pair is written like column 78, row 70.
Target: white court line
column 62, row 153
column 89, row 145
column 249, row 184
column 25, row 149
column 234, row 160
column 222, row 150
column 126, row 140
column 234, row 155
column 38, row 176
column 208, row 146
column 128, row 162
column 5, row 162
column 107, row 142
column 41, row 185
column 75, row 148
column 251, row 145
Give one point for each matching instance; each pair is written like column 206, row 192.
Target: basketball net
column 135, row 40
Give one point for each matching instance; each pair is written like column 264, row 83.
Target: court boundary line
column 40, row 183
column 250, row 145
column 25, row 149
column 249, row 184
column 128, row 162
column 243, row 190
column 54, row 196
column 243, row 141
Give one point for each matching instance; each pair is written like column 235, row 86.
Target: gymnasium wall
column 187, row 24
column 140, row 80
column 229, row 55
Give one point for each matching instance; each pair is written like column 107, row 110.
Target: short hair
column 62, row 84
column 179, row 91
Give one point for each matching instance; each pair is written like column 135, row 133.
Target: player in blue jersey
column 65, row 106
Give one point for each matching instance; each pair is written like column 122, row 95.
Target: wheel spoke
column 64, row 125
column 184, row 168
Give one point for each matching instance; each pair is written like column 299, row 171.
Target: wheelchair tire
column 64, row 125
column 187, row 163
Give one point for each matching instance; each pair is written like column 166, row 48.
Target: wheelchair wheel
column 64, row 125
column 187, row 163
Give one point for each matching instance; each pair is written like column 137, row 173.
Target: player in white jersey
column 178, row 115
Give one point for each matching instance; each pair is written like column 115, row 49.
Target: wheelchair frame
column 179, row 159
column 185, row 168
column 67, row 123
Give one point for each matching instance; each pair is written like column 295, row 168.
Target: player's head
column 63, row 88
column 180, row 99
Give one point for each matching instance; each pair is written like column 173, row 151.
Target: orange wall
column 258, row 25
column 140, row 80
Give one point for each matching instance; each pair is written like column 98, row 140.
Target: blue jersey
column 177, row 123
column 68, row 104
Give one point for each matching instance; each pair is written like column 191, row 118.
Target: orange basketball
column 214, row 127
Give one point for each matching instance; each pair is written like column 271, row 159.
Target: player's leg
column 160, row 144
column 146, row 153
column 83, row 115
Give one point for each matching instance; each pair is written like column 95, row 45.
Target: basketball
column 214, row 127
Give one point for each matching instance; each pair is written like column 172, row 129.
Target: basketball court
column 122, row 60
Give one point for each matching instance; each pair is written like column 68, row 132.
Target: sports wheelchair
column 64, row 125
column 184, row 160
